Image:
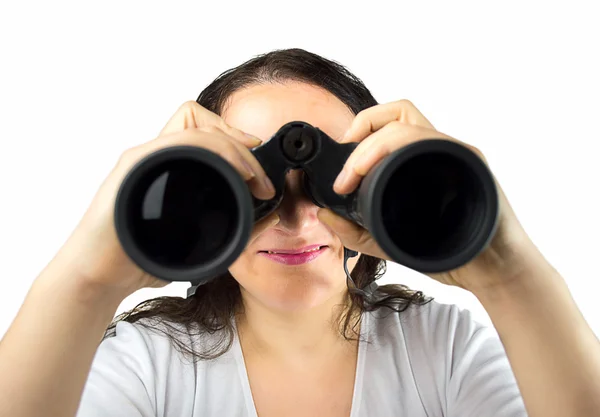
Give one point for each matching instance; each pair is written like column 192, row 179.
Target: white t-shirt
column 428, row 361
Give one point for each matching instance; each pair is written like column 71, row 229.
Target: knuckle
column 395, row 125
column 211, row 129
column 362, row 116
column 406, row 103
column 189, row 105
column 362, row 119
column 128, row 157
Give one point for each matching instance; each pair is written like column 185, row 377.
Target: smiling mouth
column 293, row 252
column 294, row 257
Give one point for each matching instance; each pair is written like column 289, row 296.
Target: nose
column 297, row 212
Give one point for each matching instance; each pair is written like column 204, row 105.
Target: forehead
column 263, row 108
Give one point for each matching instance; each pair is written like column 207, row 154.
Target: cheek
column 243, row 269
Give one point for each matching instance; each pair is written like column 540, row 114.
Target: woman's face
column 261, row 110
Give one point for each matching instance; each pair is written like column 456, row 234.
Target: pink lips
column 294, row 256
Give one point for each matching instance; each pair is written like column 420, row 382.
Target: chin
column 293, row 299
column 294, row 291
column 289, row 288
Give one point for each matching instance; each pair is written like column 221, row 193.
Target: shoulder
column 144, row 350
column 434, row 322
column 454, row 364
column 150, row 336
column 441, row 340
column 159, row 358
column 156, row 338
column 435, row 336
column 141, row 371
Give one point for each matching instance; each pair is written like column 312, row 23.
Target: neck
column 303, row 334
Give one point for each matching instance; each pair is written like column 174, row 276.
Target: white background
column 80, row 82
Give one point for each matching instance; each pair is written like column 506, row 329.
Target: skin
column 261, row 110
column 91, row 275
column 545, row 336
column 287, row 328
column 287, row 324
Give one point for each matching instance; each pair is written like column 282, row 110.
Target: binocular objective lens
column 432, row 206
column 182, row 214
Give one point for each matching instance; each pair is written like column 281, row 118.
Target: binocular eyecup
column 184, row 213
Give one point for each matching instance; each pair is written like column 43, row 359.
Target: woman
column 273, row 339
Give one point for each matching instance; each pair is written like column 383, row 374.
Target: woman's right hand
column 93, row 251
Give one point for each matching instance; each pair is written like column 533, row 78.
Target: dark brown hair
column 211, row 309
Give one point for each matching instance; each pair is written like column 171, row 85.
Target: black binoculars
column 184, row 213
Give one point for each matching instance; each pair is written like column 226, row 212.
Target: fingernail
column 340, row 179
column 248, row 169
column 254, row 138
column 269, row 185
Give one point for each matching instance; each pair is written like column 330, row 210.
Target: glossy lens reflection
column 182, row 213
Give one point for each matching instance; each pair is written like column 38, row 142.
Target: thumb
column 349, row 233
column 352, row 235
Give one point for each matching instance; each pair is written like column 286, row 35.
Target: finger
column 376, row 147
column 352, row 235
column 340, row 185
column 191, row 115
column 211, row 139
column 374, row 118
column 248, row 140
column 260, row 185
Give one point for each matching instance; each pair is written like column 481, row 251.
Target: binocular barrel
column 185, row 214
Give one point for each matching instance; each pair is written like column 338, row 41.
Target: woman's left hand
column 383, row 129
